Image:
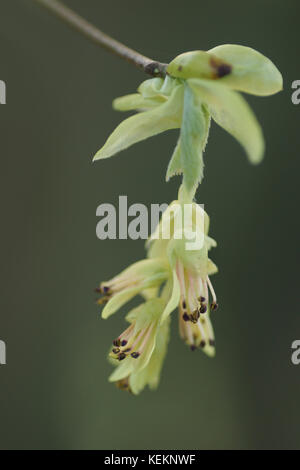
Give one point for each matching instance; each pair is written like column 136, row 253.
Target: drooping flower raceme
column 171, row 277
column 192, row 290
column 177, row 273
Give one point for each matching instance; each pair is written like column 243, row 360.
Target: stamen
column 193, row 347
column 212, row 291
column 138, row 339
column 116, row 342
column 116, row 350
column 103, row 300
column 203, row 308
column 202, row 344
column 180, row 275
column 214, row 306
column 202, row 291
column 195, row 316
column 123, row 283
column 126, row 334
column 121, row 356
column 145, row 340
column 123, row 384
column 192, row 296
column 212, row 342
column 135, row 354
column 181, row 324
column 201, row 329
column 185, row 317
column 124, row 342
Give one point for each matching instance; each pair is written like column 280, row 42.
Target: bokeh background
column 54, row 392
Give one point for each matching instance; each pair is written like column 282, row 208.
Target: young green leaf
column 143, row 125
column 231, row 111
column 251, row 72
column 137, row 101
column 175, row 167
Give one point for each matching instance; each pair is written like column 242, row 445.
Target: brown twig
column 149, row 66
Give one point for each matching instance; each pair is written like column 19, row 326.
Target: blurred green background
column 54, row 392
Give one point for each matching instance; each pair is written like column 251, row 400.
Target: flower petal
column 231, row 111
column 136, row 101
column 141, row 275
column 123, row 370
column 150, row 375
column 211, row 267
column 118, row 300
column 174, row 300
column 143, row 125
column 252, row 72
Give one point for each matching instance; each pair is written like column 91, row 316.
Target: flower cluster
column 170, row 277
column 177, row 272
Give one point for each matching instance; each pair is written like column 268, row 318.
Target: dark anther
column 193, row 347
column 212, row 342
column 121, row 356
column 183, row 304
column 123, row 342
column 135, row 355
column 185, row 317
column 195, row 316
column 116, row 350
column 202, row 344
column 105, row 289
column 224, row 69
column 203, row 308
column 116, row 342
column 214, row 306
column 102, row 300
column 127, row 350
column 201, row 299
column 123, row 384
